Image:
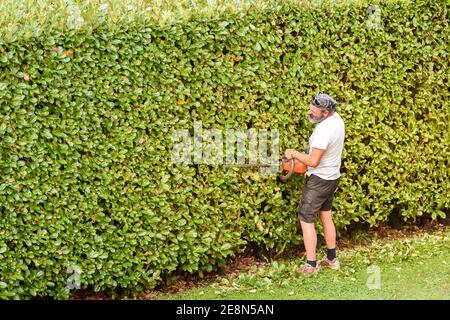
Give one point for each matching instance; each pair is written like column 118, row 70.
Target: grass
column 410, row 268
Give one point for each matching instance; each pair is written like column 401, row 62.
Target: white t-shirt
column 329, row 136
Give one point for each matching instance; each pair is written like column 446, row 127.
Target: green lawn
column 410, row 268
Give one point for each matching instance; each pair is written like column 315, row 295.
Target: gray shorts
column 317, row 196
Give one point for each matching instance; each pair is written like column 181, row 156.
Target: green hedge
column 87, row 116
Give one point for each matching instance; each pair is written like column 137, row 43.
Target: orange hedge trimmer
column 290, row 166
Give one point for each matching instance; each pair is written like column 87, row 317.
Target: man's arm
column 311, row 160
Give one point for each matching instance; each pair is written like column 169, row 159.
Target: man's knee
column 325, row 215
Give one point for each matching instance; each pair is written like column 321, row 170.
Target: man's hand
column 311, row 160
column 289, row 153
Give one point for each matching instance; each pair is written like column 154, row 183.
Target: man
column 322, row 177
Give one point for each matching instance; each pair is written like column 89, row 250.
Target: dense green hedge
column 87, row 116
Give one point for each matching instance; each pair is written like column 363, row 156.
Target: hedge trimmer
column 287, row 167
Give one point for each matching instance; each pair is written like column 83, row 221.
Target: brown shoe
column 332, row 264
column 308, row 269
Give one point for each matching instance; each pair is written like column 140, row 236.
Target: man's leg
column 328, row 229
column 309, row 239
column 330, row 239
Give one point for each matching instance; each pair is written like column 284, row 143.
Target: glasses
column 316, row 102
